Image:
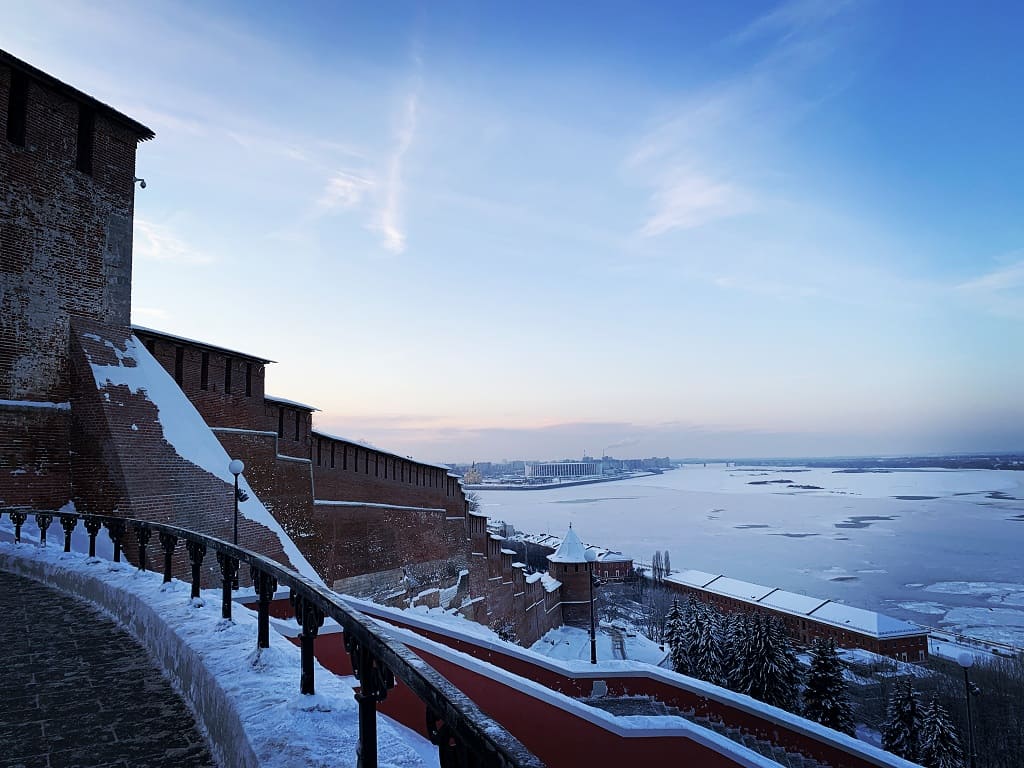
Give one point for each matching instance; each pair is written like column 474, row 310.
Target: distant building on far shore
column 563, row 470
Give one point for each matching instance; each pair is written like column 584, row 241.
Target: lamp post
column 591, row 556
column 966, row 660
column 236, row 467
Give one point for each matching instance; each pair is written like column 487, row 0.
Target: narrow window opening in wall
column 179, row 365
column 319, row 450
column 376, row 465
column 229, row 363
column 204, row 372
column 296, row 425
column 386, row 468
column 86, row 134
column 248, row 379
column 576, row 568
column 344, row 457
column 366, row 462
column 332, row 455
column 17, row 109
column 280, row 422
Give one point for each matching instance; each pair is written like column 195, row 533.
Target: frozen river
column 940, row 547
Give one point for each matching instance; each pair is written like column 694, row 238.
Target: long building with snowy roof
column 807, row 617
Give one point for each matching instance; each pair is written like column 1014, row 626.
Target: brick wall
column 65, row 238
column 35, row 468
column 347, row 471
column 237, row 402
column 123, row 465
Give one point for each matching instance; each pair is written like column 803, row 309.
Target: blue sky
column 477, row 231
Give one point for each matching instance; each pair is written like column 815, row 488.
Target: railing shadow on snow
column 464, row 735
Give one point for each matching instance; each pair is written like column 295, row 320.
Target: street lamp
column 966, row 660
column 591, row 557
column 236, row 467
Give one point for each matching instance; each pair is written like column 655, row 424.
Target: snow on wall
column 35, row 404
column 609, row 669
column 246, row 701
column 186, row 431
column 625, row 726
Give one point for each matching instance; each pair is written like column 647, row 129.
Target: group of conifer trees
column 750, row 653
column 922, row 734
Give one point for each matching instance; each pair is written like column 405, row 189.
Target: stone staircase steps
column 626, row 706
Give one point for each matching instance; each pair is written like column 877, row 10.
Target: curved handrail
column 455, row 722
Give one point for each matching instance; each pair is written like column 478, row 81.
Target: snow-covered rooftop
column 571, row 550
column 816, row 608
column 861, row 620
column 381, row 451
column 204, row 344
column 613, row 557
column 692, row 578
column 293, row 403
column 792, row 602
column 744, row 590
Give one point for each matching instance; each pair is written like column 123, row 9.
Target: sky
column 484, row 231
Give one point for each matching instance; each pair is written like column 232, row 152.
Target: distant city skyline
column 474, row 232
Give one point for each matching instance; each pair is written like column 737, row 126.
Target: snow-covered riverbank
column 940, row 547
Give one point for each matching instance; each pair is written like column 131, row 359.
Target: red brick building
column 807, row 618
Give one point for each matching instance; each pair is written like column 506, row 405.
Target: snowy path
column 79, row 690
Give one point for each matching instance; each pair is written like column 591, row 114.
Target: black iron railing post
column 43, row 520
column 196, row 552
column 92, row 527
column 440, row 735
column 115, row 529
column 375, row 679
column 310, row 618
column 18, row 518
column 68, row 523
column 168, row 541
column 265, row 585
column 229, row 574
column 142, row 533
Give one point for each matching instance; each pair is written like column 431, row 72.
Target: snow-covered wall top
column 186, row 432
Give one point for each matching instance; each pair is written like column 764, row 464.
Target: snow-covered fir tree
column 736, row 628
column 766, row 665
column 826, row 699
column 939, row 743
column 674, row 638
column 705, row 651
column 902, row 721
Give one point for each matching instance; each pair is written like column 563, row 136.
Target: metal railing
column 465, row 736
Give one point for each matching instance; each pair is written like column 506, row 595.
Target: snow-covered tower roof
column 571, row 550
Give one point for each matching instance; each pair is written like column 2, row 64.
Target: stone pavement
column 77, row 690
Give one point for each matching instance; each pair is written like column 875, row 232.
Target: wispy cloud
column 158, row 242
column 344, row 189
column 389, row 221
column 1000, row 291
column 708, row 160
column 684, row 201
column 792, row 18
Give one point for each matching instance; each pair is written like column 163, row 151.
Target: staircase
column 644, row 705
